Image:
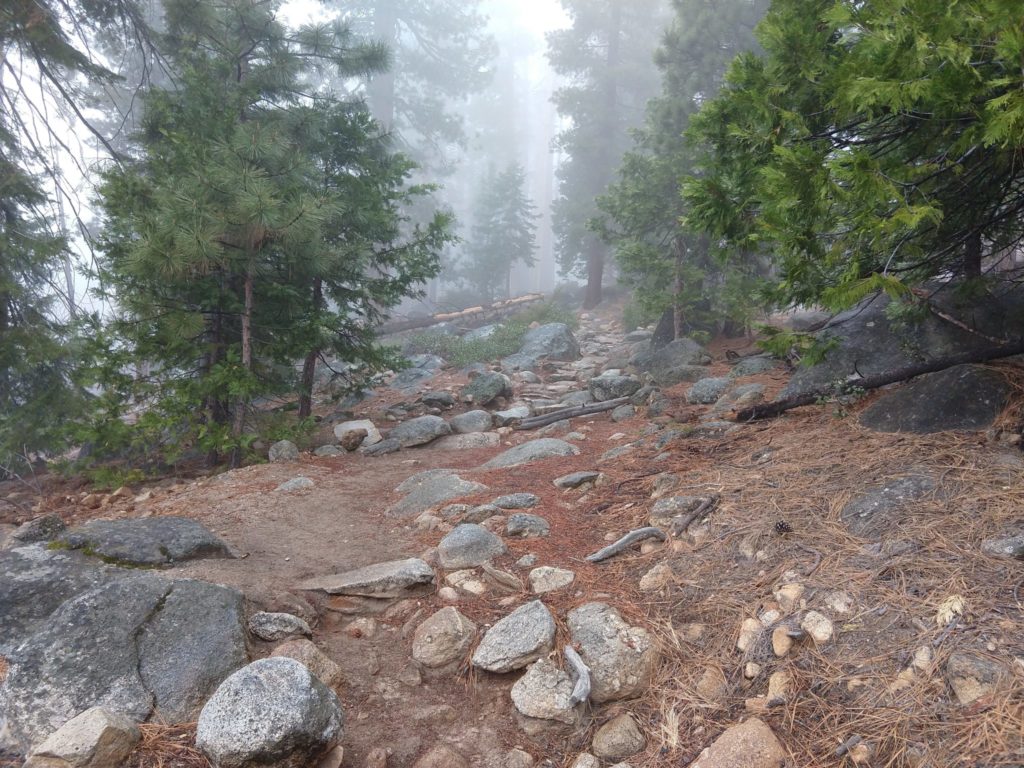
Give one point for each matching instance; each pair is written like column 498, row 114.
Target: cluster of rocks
column 94, row 646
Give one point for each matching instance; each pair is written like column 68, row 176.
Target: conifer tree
column 607, row 58
column 503, row 234
column 668, row 265
column 871, row 146
column 260, row 224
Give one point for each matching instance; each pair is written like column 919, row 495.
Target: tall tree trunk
column 381, row 90
column 972, row 255
column 596, row 256
column 677, row 290
column 242, row 404
column 309, row 364
column 595, row 276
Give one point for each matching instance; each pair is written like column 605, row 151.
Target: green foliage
column 667, row 264
column 806, row 348
column 110, row 478
column 871, row 142
column 636, row 315
column 260, row 225
column 503, row 234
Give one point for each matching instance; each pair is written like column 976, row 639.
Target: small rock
column 618, row 739
column 467, row 582
column 333, row 759
column 781, row 641
column 751, row 745
column 586, row 760
column 576, row 479
column 284, row 450
column 1009, row 546
column 545, row 693
column 527, row 526
column 818, row 626
column 343, row 430
column 517, row 501
column 45, row 528
column 438, row 399
column 610, row 386
column 329, row 451
column 548, row 579
column 353, row 439
column 468, row 546
column 751, row 670
column 749, row 630
column 974, row 677
column 526, row 561
column 480, row 513
column 517, row 758
column 378, row 758
column 713, row 685
column 278, row 626
column 621, row 658
column 788, row 597
column 296, row 484
column 523, row 636
column 319, row 663
column 623, row 413
column 659, row 577
column 443, row 638
column 448, row 594
column 441, row 756
column 272, row 712
column 486, row 388
column 780, row 686
column 707, row 391
column 96, row 738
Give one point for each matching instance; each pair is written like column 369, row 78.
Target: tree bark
column 242, row 404
column 778, row 407
column 309, row 364
column 595, row 277
column 381, row 90
column 973, row 255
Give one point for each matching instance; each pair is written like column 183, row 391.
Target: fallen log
column 533, row 422
column 631, row 538
column 778, row 407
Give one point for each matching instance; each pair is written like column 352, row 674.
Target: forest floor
column 902, row 602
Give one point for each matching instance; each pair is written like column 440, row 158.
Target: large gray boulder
column 139, row 645
column 468, row 546
column 35, row 581
column 611, row 387
column 429, row 489
column 272, row 712
column 752, row 366
column 707, row 391
column 419, row 431
column 398, row 578
column 283, row 450
column 865, row 341
column 145, row 541
column 486, row 388
column 678, row 361
column 554, row 341
column 621, row 658
column 471, row 422
column 967, row 397
column 344, row 431
column 522, row 637
column 534, row 450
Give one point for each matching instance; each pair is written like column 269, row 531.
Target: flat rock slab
column 398, row 578
column 467, row 442
column 468, row 546
column 429, row 489
column 522, row 637
column 576, row 479
column 966, row 397
column 145, row 541
column 879, row 509
column 35, row 581
column 751, row 745
column 534, row 450
column 138, row 645
column 517, row 501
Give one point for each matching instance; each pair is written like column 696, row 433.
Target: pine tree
column 668, row 265
column 873, row 144
column 607, row 58
column 503, row 234
column 46, row 50
column 252, row 208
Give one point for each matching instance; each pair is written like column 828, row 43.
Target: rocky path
column 416, row 591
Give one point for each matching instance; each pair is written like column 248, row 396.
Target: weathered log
column 581, row 690
column 778, row 407
column 573, row 412
column 627, row 541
